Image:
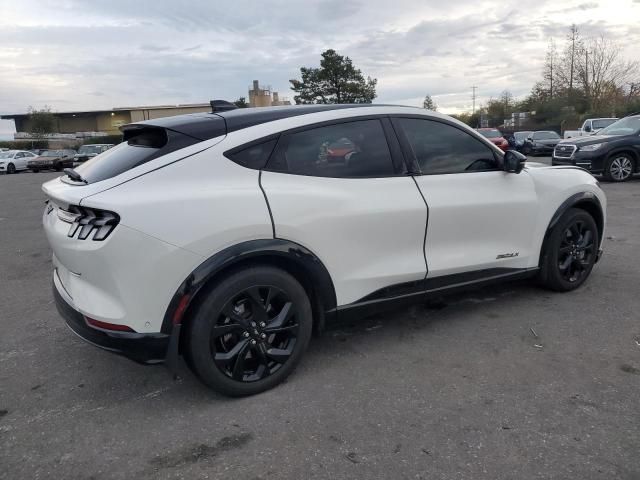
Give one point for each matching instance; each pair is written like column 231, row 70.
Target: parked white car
column 591, row 126
column 228, row 237
column 12, row 161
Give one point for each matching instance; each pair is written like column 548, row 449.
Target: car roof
column 209, row 125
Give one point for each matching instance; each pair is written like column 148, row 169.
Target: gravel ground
column 458, row 390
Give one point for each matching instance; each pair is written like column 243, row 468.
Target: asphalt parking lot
column 462, row 389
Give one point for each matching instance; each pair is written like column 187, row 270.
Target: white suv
column 228, row 237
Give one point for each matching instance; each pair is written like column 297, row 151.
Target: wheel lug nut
column 262, row 324
column 263, row 336
column 253, row 342
column 245, row 334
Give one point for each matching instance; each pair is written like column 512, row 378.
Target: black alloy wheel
column 577, row 251
column 570, row 251
column 11, row 168
column 249, row 330
column 255, row 334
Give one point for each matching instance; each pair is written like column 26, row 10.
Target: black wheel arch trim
column 274, row 248
column 577, row 200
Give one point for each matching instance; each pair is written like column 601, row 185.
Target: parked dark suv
column 614, row 152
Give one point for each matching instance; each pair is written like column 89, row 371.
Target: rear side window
column 344, row 150
column 440, row 148
column 139, row 147
column 254, row 156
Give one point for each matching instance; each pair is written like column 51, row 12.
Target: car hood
column 591, row 139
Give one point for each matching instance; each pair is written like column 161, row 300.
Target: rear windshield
column 490, row 133
column 139, row 148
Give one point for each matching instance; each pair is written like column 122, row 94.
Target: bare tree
column 550, row 67
column 603, row 72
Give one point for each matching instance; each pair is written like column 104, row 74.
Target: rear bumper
column 147, row 348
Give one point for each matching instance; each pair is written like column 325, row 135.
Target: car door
column 341, row 190
column 480, row 217
column 20, row 160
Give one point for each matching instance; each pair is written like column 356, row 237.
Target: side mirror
column 587, row 128
column 513, row 161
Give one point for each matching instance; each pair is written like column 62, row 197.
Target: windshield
column 521, row 135
column 52, row 153
column 6, row 154
column 626, row 126
column 492, row 133
column 605, row 122
column 91, row 149
column 545, row 135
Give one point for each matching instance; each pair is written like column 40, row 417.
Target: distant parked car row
column 529, row 143
column 12, row 161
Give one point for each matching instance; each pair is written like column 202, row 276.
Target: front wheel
column 619, row 168
column 249, row 331
column 11, row 168
column 527, row 150
column 570, row 251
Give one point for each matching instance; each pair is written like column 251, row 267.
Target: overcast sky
column 73, row 54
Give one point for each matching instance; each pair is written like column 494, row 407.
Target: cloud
column 86, row 55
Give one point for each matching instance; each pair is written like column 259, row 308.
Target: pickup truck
column 591, row 126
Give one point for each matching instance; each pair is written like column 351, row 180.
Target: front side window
column 605, row 122
column 344, row 150
column 440, row 148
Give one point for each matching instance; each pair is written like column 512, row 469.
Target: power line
column 473, row 96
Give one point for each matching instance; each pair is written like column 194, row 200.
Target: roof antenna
column 221, row 106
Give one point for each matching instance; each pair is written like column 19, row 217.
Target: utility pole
column 473, row 96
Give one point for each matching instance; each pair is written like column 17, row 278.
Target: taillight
column 108, row 326
column 85, row 221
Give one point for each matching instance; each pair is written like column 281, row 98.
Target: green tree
column 429, row 104
column 335, row 81
column 41, row 122
column 241, row 102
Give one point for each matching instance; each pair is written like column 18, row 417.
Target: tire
column 58, row 168
column 11, row 168
column 619, row 167
column 570, row 251
column 220, row 333
column 527, row 150
column 35, row 170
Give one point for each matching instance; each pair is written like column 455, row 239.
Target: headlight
column 1, row 164
column 591, row 148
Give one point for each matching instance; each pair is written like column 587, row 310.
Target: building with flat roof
column 263, row 96
column 94, row 123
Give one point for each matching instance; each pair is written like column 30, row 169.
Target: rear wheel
column 11, row 168
column 249, row 331
column 619, row 167
column 570, row 251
